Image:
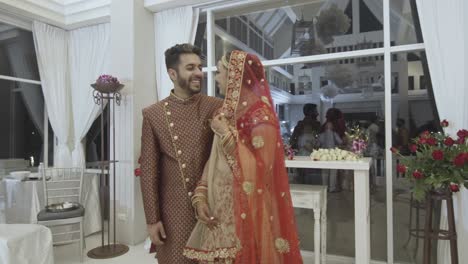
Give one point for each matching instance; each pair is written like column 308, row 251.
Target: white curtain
column 89, row 52
column 444, row 26
column 52, row 59
column 174, row 26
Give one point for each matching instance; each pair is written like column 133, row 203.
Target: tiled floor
column 68, row 254
column 340, row 232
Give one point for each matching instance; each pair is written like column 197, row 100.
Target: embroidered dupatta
column 264, row 216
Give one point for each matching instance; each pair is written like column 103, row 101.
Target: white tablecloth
column 25, row 244
column 25, row 199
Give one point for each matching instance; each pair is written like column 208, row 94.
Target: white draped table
column 25, row 199
column 361, row 197
column 25, row 244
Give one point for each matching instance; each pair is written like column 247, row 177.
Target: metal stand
column 431, row 233
column 109, row 250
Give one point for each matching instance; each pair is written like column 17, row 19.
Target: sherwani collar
column 174, row 98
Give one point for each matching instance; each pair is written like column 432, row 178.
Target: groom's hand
column 157, row 233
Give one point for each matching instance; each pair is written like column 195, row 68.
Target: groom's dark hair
column 173, row 53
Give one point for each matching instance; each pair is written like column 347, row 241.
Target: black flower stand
column 433, row 234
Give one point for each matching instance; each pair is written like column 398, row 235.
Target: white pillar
column 132, row 61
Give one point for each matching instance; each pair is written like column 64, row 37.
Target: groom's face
column 189, row 75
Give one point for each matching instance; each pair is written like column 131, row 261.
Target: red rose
column 449, row 141
column 437, row 155
column 431, row 141
column 444, row 123
column 394, row 150
column 454, row 187
column 425, row 134
column 417, row 174
column 459, row 160
column 461, row 141
column 137, row 172
column 413, row 148
column 422, row 140
column 466, row 156
column 463, row 133
column 401, row 168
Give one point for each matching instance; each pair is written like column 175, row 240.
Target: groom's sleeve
column 150, row 154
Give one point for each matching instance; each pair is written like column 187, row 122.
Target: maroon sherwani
column 175, row 145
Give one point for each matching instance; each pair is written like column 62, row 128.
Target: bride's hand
column 205, row 216
column 220, row 125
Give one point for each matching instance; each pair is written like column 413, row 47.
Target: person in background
column 304, row 135
column 332, row 135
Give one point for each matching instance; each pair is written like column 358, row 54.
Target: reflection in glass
column 282, row 29
column 403, row 26
column 17, row 53
column 360, row 98
column 412, row 113
column 22, row 119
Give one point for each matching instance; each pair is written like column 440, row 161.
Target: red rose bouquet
column 438, row 162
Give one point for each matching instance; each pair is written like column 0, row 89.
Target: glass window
column 22, row 130
column 300, row 28
column 17, row 53
column 413, row 111
column 403, row 22
column 358, row 93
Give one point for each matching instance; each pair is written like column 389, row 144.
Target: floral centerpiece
column 438, row 162
column 333, row 154
column 358, row 139
column 289, row 151
column 107, row 84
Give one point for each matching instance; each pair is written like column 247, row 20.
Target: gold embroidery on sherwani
column 258, row 142
column 170, row 125
column 282, row 245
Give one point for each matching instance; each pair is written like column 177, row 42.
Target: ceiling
column 66, row 14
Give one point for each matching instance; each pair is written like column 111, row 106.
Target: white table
column 25, row 244
column 361, row 197
column 25, row 199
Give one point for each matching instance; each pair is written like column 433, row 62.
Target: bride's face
column 221, row 77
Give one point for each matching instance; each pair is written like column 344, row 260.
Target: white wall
column 132, row 44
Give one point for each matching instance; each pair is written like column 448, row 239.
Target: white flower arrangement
column 333, row 154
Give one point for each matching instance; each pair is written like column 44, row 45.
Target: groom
column 175, row 145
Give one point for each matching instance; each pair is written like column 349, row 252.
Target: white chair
column 314, row 197
column 63, row 185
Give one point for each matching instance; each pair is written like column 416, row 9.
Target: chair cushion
column 48, row 216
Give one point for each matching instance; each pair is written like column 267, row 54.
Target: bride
column 243, row 203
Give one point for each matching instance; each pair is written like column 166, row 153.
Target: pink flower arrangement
column 358, row 138
column 107, row 84
column 107, row 79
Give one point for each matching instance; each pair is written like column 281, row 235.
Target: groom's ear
column 172, row 74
